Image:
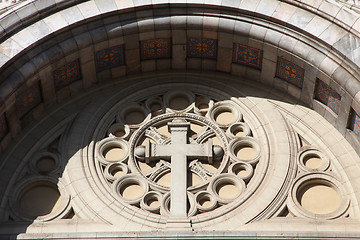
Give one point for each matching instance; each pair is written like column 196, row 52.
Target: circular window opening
column 179, row 102
column 131, row 190
column 245, row 152
column 134, row 117
column 313, row 161
column 318, row 198
column 45, row 164
column 113, row 153
column 224, row 117
column 39, row 200
column 227, row 190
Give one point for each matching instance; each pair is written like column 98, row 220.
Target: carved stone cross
column 178, row 151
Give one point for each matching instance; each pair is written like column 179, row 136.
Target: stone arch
column 42, row 40
column 71, row 31
column 72, row 136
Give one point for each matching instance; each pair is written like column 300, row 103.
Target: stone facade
column 171, row 119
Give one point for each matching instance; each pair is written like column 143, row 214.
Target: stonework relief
column 181, row 154
column 190, row 155
column 182, row 159
column 39, row 194
column 316, row 191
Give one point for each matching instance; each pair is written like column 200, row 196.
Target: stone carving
column 316, row 192
column 183, row 158
column 179, row 151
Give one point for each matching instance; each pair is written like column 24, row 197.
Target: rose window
column 178, row 154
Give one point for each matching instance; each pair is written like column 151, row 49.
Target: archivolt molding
column 74, row 33
column 335, row 75
column 13, row 45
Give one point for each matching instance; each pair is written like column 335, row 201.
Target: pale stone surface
column 39, row 37
column 221, row 189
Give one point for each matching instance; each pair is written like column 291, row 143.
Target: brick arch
column 42, row 41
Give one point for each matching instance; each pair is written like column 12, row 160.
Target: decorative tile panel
column 67, row 74
column 155, row 48
column 110, row 57
column 3, row 126
column 328, row 96
column 355, row 123
column 201, row 48
column 290, row 72
column 248, row 56
column 28, row 99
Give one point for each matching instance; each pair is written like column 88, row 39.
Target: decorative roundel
column 45, row 162
column 225, row 113
column 176, row 101
column 165, row 208
column 53, row 202
column 313, row 160
column 242, row 170
column 130, row 188
column 205, row 201
column 318, row 195
column 152, row 202
column 245, row 149
column 119, row 130
column 115, row 171
column 155, row 105
column 202, row 105
column 227, row 187
column 165, row 205
column 189, row 145
column 133, row 115
column 239, row 129
column 112, row 150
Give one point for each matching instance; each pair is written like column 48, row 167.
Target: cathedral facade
column 197, row 119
